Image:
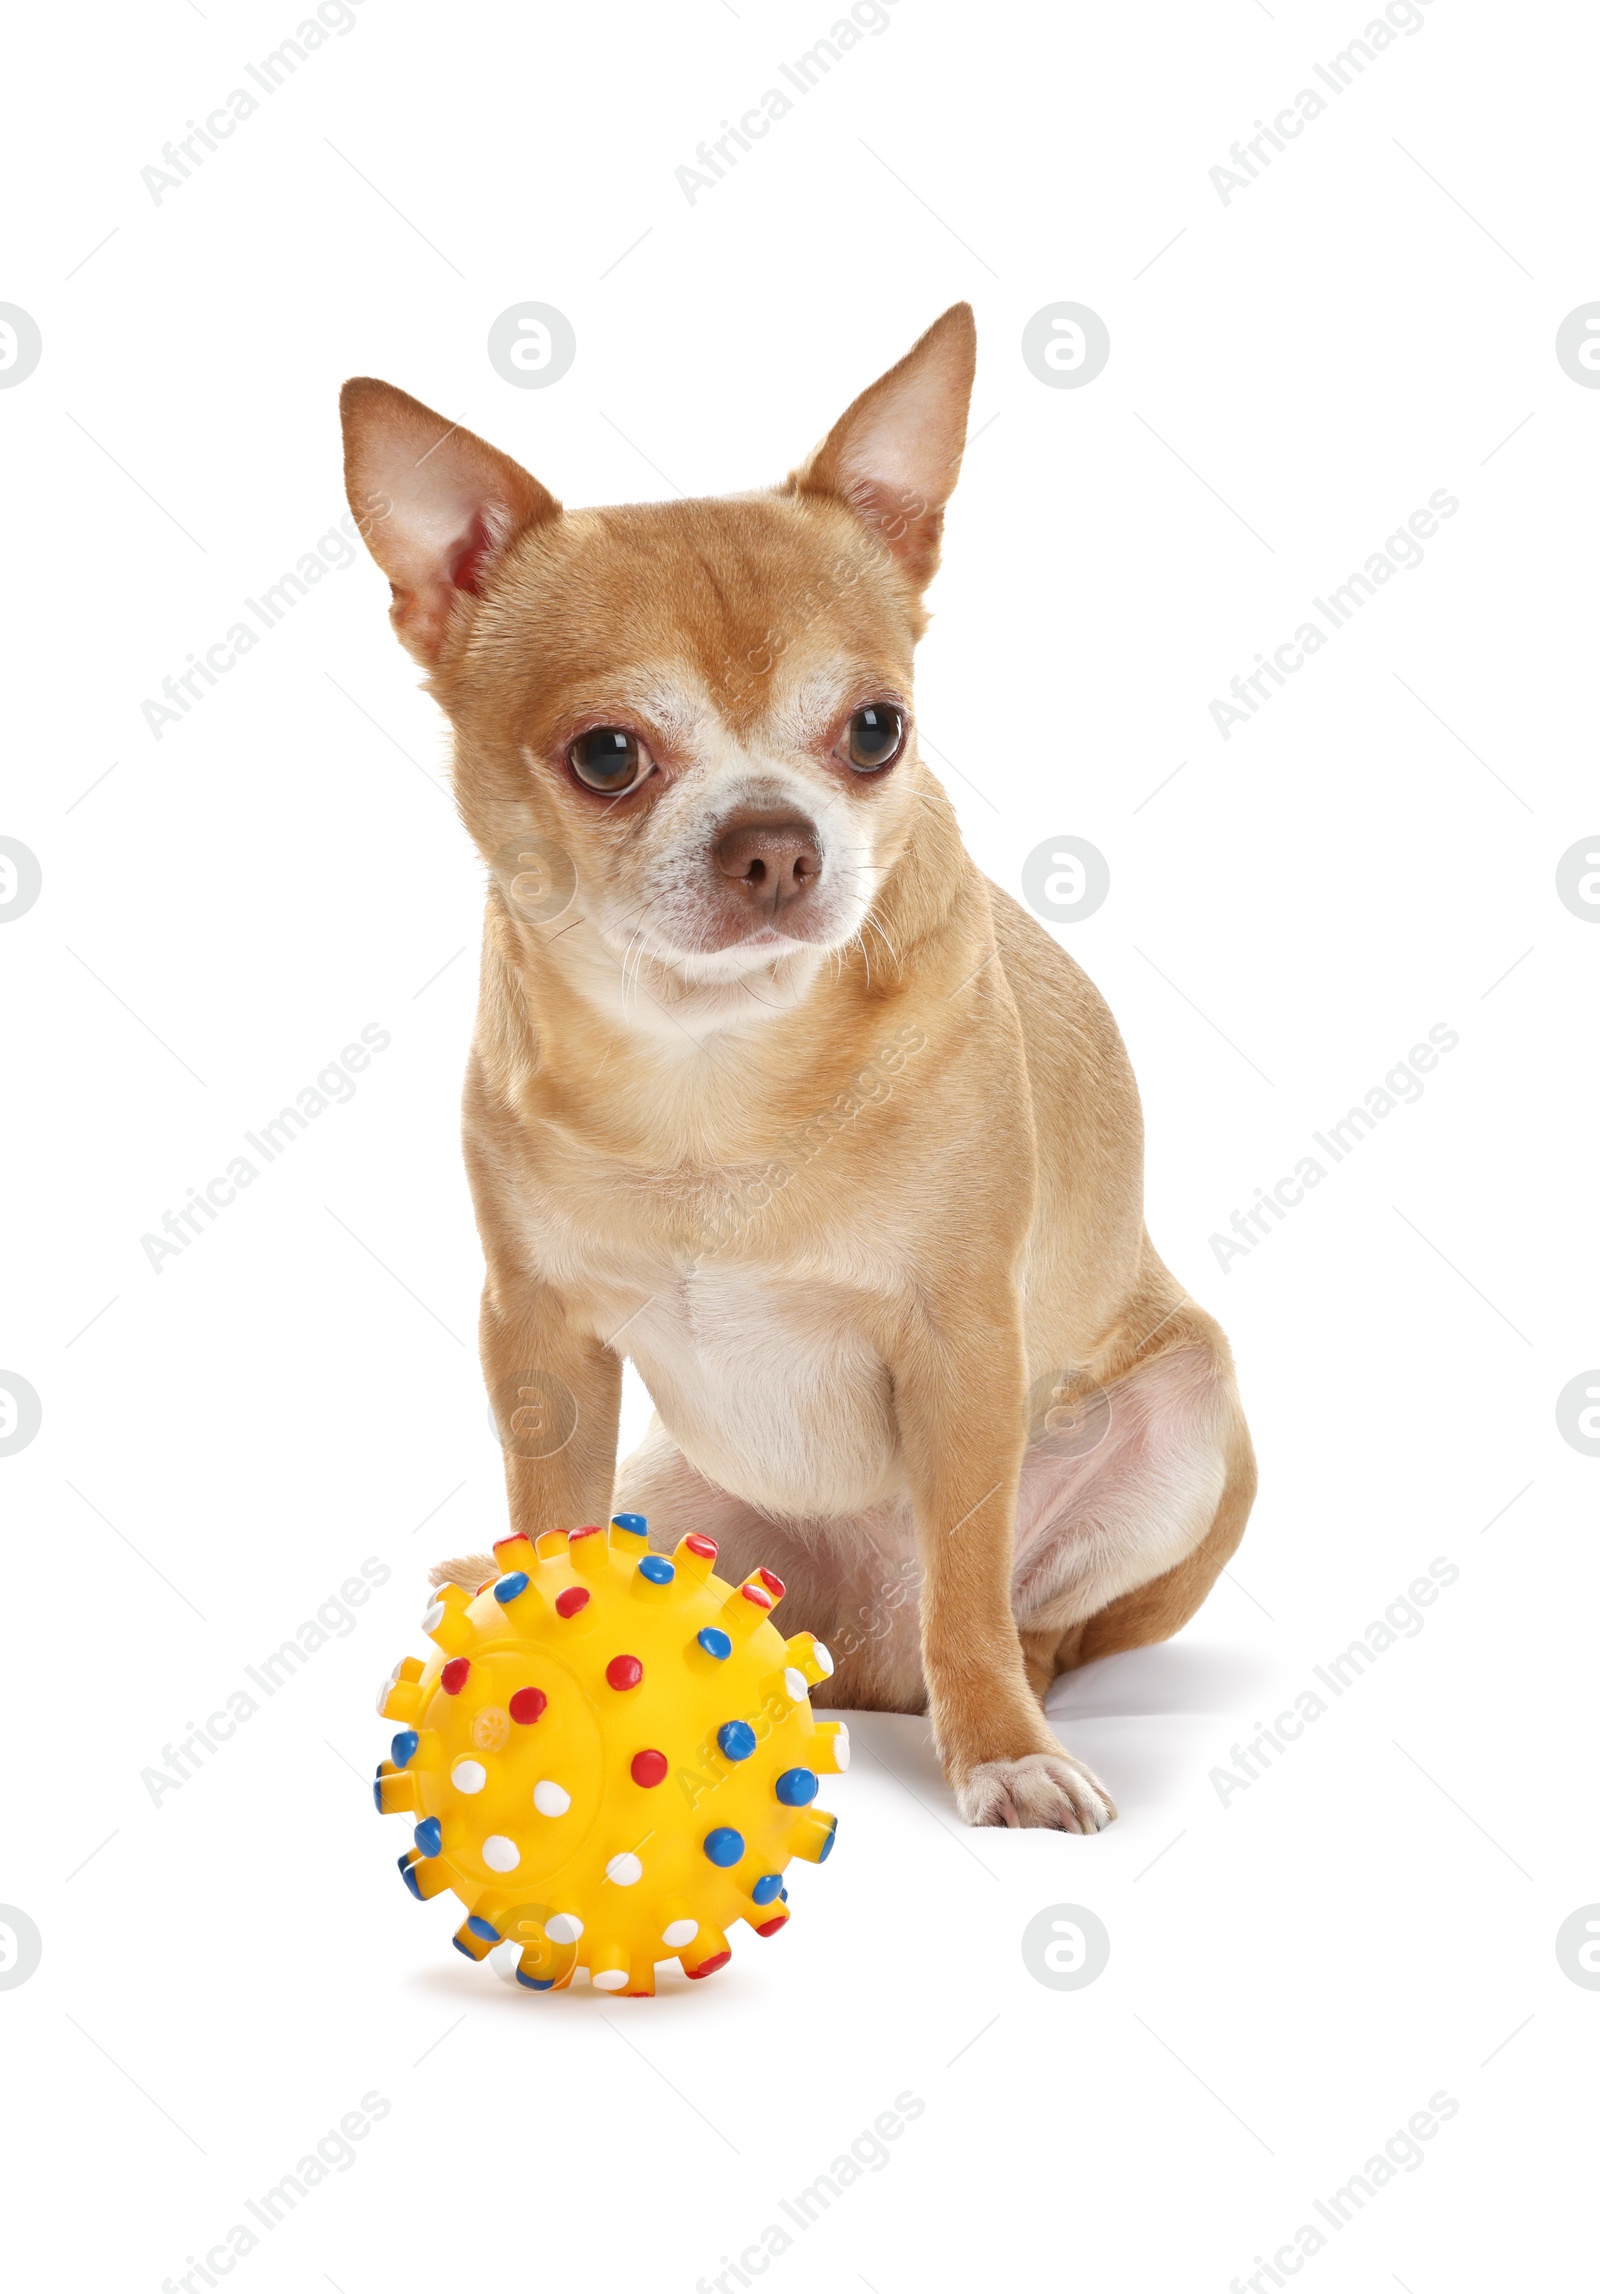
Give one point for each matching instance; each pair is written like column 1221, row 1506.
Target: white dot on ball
column 794, row 1685
column 501, row 1854
column 551, row 1799
column 625, row 1870
column 841, row 1748
column 433, row 1616
column 469, row 1776
column 824, row 1657
column 679, row 1933
column 564, row 1928
column 383, row 1693
column 611, row 1979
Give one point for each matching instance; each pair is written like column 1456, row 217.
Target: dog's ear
column 893, row 457
column 437, row 507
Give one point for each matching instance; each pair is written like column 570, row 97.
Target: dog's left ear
column 893, row 457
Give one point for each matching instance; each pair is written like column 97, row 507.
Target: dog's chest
column 770, row 1386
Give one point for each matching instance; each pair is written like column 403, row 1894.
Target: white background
column 1291, row 375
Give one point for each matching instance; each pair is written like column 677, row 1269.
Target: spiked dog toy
column 612, row 1758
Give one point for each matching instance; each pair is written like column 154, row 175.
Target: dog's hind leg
column 1118, row 1545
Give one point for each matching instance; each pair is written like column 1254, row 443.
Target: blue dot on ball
column 403, row 1747
column 507, row 1588
column 714, row 1642
column 656, row 1569
column 827, row 1845
column 535, row 1982
column 736, row 1739
column 482, row 1928
column 429, row 1836
column 796, row 1787
column 724, row 1846
column 768, row 1886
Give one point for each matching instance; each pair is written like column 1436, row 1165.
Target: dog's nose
column 768, row 859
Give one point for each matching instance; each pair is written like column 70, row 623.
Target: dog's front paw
column 1044, row 1791
column 471, row 1571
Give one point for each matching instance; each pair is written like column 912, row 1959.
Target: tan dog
column 774, row 1093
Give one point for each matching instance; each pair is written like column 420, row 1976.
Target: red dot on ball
column 706, row 1547
column 589, row 1529
column 771, row 1927
column 527, row 1704
column 575, row 1597
column 453, row 1679
column 648, row 1768
column 624, row 1672
column 774, row 1585
column 758, row 1594
column 708, row 1966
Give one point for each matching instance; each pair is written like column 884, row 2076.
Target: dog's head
column 704, row 706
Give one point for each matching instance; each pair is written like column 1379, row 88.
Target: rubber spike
column 809, row 1657
column 608, row 1966
column 394, row 1791
column 446, row 1623
column 466, row 1939
column 425, row 1876
column 589, row 1553
column 747, row 1606
column 830, row 1748
column 400, row 1698
column 695, row 1557
column 708, row 1952
column 513, row 1552
column 552, row 1544
column 630, row 1534
column 812, row 1836
column 545, row 1966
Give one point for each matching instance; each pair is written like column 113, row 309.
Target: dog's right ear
column 437, row 507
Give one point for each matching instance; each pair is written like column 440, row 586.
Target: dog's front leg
column 555, row 1391
column 960, row 1400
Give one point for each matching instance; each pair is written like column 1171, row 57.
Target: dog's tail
column 471, row 1571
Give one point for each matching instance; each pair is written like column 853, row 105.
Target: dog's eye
column 608, row 759
column 874, row 737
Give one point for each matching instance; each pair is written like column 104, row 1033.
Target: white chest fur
column 771, row 1388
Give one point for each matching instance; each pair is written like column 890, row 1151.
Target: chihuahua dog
column 774, row 1094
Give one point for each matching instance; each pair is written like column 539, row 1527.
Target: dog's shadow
column 1148, row 1721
